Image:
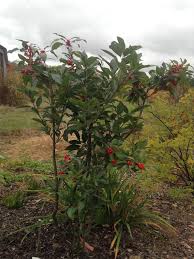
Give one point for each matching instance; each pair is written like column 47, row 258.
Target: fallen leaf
column 87, row 247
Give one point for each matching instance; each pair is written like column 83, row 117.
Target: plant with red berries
column 78, row 101
column 49, row 91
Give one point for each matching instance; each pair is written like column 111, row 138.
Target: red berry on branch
column 140, row 166
column 109, row 151
column 70, row 62
column 61, row 173
column 114, row 162
column 129, row 163
column 174, row 82
column 67, row 158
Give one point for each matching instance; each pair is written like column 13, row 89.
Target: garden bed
column 52, row 242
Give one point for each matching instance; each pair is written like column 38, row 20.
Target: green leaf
column 24, row 43
column 116, row 48
column 56, row 78
column 121, row 43
column 74, row 142
column 81, row 206
column 109, row 53
column 121, row 156
column 39, row 101
column 117, row 142
column 22, row 58
column 114, row 65
column 73, row 147
column 122, row 108
column 62, row 60
column 2, row 157
column 56, row 45
column 71, row 213
column 92, row 61
column 135, row 47
column 12, row 50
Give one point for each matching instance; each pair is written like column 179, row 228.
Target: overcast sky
column 164, row 28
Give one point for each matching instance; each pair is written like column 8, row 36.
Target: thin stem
column 89, row 148
column 54, row 141
column 55, row 174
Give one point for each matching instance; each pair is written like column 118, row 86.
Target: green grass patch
column 14, row 200
column 15, row 119
column 35, row 166
column 180, row 193
column 6, row 177
column 34, row 174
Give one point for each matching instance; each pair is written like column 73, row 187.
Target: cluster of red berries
column 28, row 53
column 141, row 166
column 176, row 68
column 69, row 61
column 67, row 158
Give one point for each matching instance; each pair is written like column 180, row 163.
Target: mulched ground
column 52, row 243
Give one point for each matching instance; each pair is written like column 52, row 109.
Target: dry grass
column 36, row 146
column 9, row 89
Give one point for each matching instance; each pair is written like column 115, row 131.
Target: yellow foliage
column 170, row 135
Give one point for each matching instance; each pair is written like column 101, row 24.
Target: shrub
column 13, row 82
column 170, row 139
column 79, row 102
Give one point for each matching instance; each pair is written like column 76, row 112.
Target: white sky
column 164, row 28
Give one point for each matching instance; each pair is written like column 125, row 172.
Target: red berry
column 109, row 151
column 114, row 162
column 70, row 62
column 67, row 158
column 174, row 82
column 129, row 163
column 140, row 166
column 61, row 173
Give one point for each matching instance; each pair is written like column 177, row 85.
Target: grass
column 27, row 165
column 16, row 119
column 177, row 193
column 25, row 178
column 14, row 200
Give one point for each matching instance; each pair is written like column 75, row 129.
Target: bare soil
column 51, row 242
